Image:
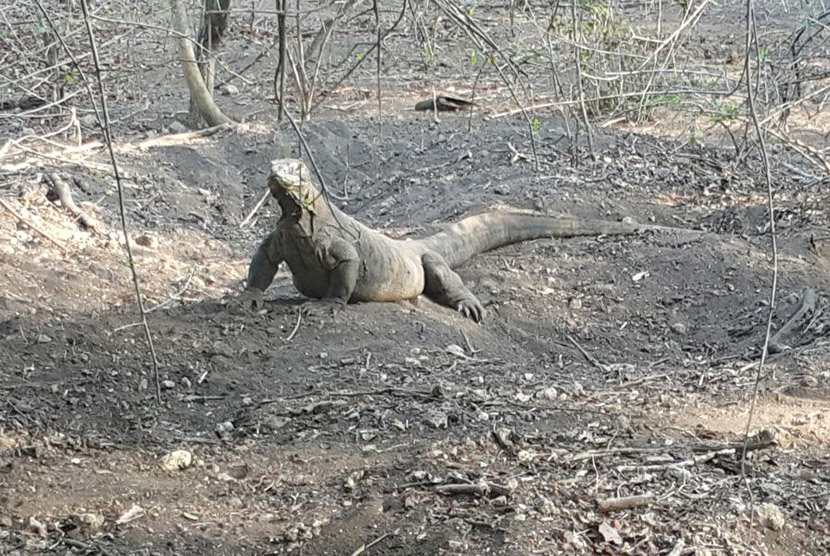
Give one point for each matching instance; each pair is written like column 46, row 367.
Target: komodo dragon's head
column 290, row 182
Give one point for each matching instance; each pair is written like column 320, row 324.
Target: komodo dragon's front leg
column 342, row 261
column 444, row 286
column 262, row 270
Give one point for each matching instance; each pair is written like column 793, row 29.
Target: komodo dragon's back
column 483, row 232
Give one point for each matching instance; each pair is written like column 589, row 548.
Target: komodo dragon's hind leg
column 444, row 286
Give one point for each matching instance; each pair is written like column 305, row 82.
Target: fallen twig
column 365, row 547
column 481, row 488
column 256, row 208
column 703, row 458
column 801, row 317
column 591, row 359
column 606, row 505
column 296, row 327
column 65, row 196
column 32, row 226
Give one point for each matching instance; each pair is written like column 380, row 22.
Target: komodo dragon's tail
column 480, row 233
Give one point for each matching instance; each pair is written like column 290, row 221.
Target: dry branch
column 32, row 226
column 65, row 196
column 779, row 341
column 606, row 505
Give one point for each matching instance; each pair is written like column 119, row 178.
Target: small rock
column 770, row 516
column 809, row 381
column 177, row 127
column 412, row 362
column 132, row 514
column 177, row 460
column 247, row 401
column 679, row 328
column 548, row 393
column 525, row 456
column 43, row 339
column 500, row 501
column 623, row 422
column 223, row 429
column 522, row 397
column 229, row 89
column 436, row 419
column 148, row 241
column 91, row 521
column 7, row 445
column 501, row 189
column 186, row 382
column 168, row 384
column 37, row 526
column 575, row 304
column 89, row 120
column 275, row 422
column 545, row 507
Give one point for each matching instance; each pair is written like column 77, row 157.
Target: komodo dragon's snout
column 335, row 258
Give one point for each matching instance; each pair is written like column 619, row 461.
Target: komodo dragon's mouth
column 286, row 180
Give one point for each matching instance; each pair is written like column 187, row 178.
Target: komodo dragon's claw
column 471, row 308
column 251, row 299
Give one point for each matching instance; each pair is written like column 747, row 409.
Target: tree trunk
column 211, row 32
column 199, row 93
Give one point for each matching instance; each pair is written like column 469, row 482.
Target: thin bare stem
column 752, row 36
column 580, row 91
column 104, row 122
column 376, row 8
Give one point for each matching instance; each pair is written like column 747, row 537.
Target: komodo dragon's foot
column 251, row 300
column 322, row 307
column 470, row 308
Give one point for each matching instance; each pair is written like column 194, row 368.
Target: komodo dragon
column 334, row 257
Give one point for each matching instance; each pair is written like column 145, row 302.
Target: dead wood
column 443, row 103
column 64, row 194
column 32, row 226
column 478, row 489
column 782, row 339
column 606, row 505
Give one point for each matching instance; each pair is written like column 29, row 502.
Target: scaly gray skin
column 337, row 259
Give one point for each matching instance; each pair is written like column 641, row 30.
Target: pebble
column 148, row 241
column 770, row 516
column 92, row 521
column 177, row 460
column 679, row 328
column 229, row 89
column 177, row 127
column 88, row 120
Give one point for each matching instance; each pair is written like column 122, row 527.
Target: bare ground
column 607, row 367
